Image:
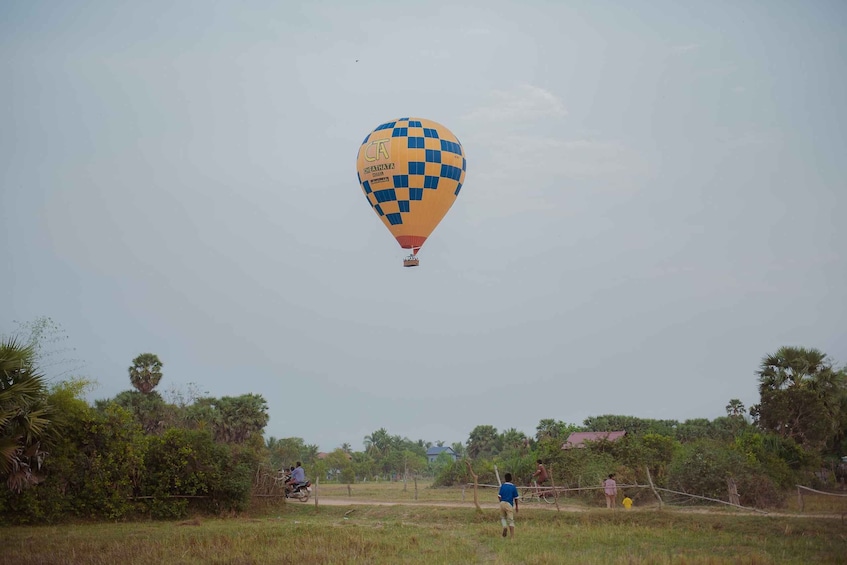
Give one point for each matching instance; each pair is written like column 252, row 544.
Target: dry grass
column 814, row 503
column 419, row 533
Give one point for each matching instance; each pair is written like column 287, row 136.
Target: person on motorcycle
column 298, row 476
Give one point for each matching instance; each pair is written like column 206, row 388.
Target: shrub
column 188, row 463
column 704, row 466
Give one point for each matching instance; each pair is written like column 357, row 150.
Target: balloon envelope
column 411, row 171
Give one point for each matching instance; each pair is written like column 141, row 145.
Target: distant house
column 433, row 452
column 578, row 439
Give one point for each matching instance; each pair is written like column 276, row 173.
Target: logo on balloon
column 376, row 149
column 380, row 167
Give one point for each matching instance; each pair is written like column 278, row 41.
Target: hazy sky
column 654, row 200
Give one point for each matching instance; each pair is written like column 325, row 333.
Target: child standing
column 508, row 496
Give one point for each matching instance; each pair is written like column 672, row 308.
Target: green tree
column 146, row 372
column 190, row 463
column 653, row 450
column 238, row 418
column 514, row 441
column 363, row 464
column 413, row 462
column 483, row 441
column 309, row 455
column 735, row 408
column 339, row 464
column 285, row 452
column 378, row 443
column 551, row 435
column 94, row 466
column 150, row 410
column 801, row 397
column 631, row 424
column 271, row 446
column 458, row 449
column 555, row 431
column 703, row 467
column 24, row 415
column 443, row 460
column 99, row 463
column 694, row 429
column 584, row 468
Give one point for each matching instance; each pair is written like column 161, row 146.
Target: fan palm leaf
column 24, row 417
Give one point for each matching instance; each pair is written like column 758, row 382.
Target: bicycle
column 539, row 493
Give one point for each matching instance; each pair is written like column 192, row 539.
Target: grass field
column 342, row 529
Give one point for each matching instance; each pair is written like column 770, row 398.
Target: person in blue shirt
column 298, row 476
column 508, row 496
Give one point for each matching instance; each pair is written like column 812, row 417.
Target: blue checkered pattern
column 425, row 151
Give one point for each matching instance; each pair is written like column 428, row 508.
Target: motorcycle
column 300, row 492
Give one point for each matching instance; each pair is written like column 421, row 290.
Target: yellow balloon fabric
column 411, row 171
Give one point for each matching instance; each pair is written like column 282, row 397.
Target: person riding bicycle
column 540, row 474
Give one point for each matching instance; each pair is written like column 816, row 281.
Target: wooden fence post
column 653, row 487
column 475, row 483
column 555, row 492
column 732, row 490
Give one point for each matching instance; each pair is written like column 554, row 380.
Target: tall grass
column 409, row 533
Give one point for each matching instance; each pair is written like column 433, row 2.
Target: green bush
column 456, row 473
column 704, row 466
column 586, row 467
column 89, row 471
column 189, row 463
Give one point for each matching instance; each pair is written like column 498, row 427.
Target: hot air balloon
column 411, row 171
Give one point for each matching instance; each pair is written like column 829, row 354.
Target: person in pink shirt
column 611, row 489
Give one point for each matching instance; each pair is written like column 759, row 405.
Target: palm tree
column 459, row 449
column 512, row 439
column 310, row 453
column 24, row 415
column 378, row 442
column 483, row 442
column 735, row 408
column 802, row 395
column 146, row 372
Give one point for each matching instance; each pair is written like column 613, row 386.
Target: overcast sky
column 654, row 200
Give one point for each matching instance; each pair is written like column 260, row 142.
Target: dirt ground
column 350, row 501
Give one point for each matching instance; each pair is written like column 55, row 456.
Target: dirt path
column 344, row 501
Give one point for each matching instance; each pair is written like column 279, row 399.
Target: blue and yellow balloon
column 411, row 171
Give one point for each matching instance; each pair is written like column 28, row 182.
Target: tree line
column 145, row 454
column 795, row 434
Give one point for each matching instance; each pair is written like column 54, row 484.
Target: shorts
column 507, row 514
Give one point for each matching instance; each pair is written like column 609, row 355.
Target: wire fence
column 814, row 500
column 661, row 496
